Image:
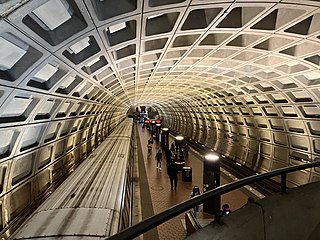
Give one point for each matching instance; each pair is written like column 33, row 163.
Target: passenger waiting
column 168, row 155
column 195, row 192
column 187, row 149
column 172, row 171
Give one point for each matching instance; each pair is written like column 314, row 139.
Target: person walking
column 149, row 147
column 172, row 171
column 159, row 159
column 195, row 192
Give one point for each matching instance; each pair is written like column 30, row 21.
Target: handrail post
column 284, row 182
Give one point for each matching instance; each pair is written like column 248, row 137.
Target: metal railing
column 174, row 211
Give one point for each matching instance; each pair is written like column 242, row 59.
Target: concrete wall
column 293, row 216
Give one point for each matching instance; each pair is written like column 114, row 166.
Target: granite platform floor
column 162, row 197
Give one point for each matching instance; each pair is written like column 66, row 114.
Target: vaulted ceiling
column 226, row 73
column 132, row 52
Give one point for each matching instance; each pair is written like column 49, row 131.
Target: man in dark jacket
column 159, row 159
column 168, row 154
column 172, row 171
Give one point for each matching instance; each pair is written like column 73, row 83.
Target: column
column 211, row 180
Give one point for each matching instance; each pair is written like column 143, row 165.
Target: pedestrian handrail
column 174, row 211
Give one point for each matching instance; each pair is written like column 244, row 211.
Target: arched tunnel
column 241, row 77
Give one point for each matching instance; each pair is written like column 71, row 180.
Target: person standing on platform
column 186, row 149
column 168, row 154
column 150, row 141
column 172, row 171
column 195, row 192
column 149, row 146
column 159, row 159
column 172, row 147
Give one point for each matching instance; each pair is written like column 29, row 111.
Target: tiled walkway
column 162, row 197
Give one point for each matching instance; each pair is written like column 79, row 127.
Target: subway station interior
column 238, row 77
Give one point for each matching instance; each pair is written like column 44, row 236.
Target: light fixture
column 212, row 157
column 179, row 138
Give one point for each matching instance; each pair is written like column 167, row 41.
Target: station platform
column 156, row 195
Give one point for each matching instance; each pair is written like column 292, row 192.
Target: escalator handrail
column 174, row 211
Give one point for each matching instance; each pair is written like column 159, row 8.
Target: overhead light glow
column 212, row 157
column 179, row 138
